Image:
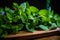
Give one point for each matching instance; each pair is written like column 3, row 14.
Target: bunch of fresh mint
column 28, row 17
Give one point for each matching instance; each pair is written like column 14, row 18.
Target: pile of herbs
column 26, row 17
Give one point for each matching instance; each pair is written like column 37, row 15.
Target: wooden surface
column 49, row 38
column 36, row 34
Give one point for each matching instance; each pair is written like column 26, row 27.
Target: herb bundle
column 28, row 17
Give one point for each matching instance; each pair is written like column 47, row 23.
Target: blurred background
column 41, row 4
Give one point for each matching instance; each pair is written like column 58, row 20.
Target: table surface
column 35, row 34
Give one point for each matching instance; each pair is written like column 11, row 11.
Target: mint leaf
column 29, row 28
column 53, row 26
column 33, row 9
column 43, row 27
column 23, row 6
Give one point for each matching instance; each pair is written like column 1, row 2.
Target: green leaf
column 20, row 26
column 56, row 17
column 31, row 17
column 43, row 27
column 58, row 24
column 1, row 31
column 28, row 11
column 14, row 28
column 4, row 34
column 9, row 10
column 33, row 9
column 5, row 26
column 43, row 12
column 15, row 5
column 9, row 16
column 29, row 28
column 27, row 5
column 44, row 19
column 23, row 17
column 1, row 10
column 16, row 18
column 23, row 6
column 53, row 26
column 51, row 14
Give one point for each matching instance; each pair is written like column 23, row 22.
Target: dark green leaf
column 1, row 31
column 14, row 29
column 20, row 26
column 29, row 28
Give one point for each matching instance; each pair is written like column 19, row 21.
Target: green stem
column 47, row 4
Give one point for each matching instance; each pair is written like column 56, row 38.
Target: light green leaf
column 43, row 12
column 56, row 17
column 31, row 17
column 23, row 6
column 28, row 11
column 33, row 9
column 44, row 18
column 53, row 26
column 43, row 27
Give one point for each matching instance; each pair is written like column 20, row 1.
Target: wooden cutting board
column 36, row 34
